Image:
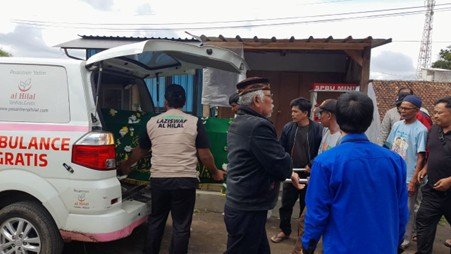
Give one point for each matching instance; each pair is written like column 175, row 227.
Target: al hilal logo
column 25, row 85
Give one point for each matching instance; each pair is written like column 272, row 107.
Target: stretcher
column 301, row 180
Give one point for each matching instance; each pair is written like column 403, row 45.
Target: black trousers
column 289, row 196
column 180, row 203
column 246, row 232
column 434, row 205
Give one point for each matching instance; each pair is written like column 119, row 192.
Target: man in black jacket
column 257, row 164
column 437, row 191
column 301, row 138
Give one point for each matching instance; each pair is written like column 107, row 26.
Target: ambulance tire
column 42, row 225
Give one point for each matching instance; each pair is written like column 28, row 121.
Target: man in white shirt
column 331, row 138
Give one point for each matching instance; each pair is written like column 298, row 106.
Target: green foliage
column 4, row 53
column 445, row 59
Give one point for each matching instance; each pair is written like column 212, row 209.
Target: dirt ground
column 209, row 235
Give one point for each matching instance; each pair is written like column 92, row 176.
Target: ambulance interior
column 125, row 105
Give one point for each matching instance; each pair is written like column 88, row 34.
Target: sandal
column 277, row 238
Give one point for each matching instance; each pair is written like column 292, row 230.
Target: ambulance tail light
column 95, row 150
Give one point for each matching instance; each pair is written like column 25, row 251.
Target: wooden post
column 365, row 75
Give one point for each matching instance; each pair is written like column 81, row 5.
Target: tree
column 4, row 53
column 445, row 59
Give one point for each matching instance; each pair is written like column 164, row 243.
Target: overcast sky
column 32, row 28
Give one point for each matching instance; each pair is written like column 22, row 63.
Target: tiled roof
column 429, row 92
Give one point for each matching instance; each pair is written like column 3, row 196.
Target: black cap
column 252, row 84
column 329, row 105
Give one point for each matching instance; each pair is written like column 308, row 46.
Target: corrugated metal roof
column 254, row 43
column 105, row 42
column 292, row 39
column 137, row 38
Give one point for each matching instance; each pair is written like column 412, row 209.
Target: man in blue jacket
column 257, row 164
column 356, row 196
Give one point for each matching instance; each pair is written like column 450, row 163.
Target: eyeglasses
column 405, row 108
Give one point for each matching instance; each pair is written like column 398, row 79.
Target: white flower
column 113, row 112
column 133, row 119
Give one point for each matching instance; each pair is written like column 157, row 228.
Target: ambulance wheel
column 26, row 227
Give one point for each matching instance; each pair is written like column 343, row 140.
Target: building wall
column 305, row 62
column 436, row 75
column 287, row 86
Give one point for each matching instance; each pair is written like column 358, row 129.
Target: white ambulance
column 57, row 163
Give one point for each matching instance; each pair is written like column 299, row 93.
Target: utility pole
column 424, row 58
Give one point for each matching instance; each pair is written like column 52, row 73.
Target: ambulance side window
column 34, row 93
column 123, row 93
column 115, row 97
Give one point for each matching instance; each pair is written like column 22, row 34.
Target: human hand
column 123, row 168
column 307, row 168
column 295, row 181
column 218, row 175
column 443, row 184
column 411, row 188
column 421, row 175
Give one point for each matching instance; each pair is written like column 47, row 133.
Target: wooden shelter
column 293, row 65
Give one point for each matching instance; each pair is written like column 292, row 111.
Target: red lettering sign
column 332, row 87
column 26, row 151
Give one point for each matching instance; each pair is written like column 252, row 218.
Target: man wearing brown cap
column 257, row 165
column 332, row 134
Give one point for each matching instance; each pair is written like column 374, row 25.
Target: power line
column 89, row 25
column 416, row 41
column 231, row 21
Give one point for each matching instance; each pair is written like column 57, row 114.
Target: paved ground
column 209, row 236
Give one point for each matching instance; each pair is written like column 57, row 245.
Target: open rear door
column 165, row 58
